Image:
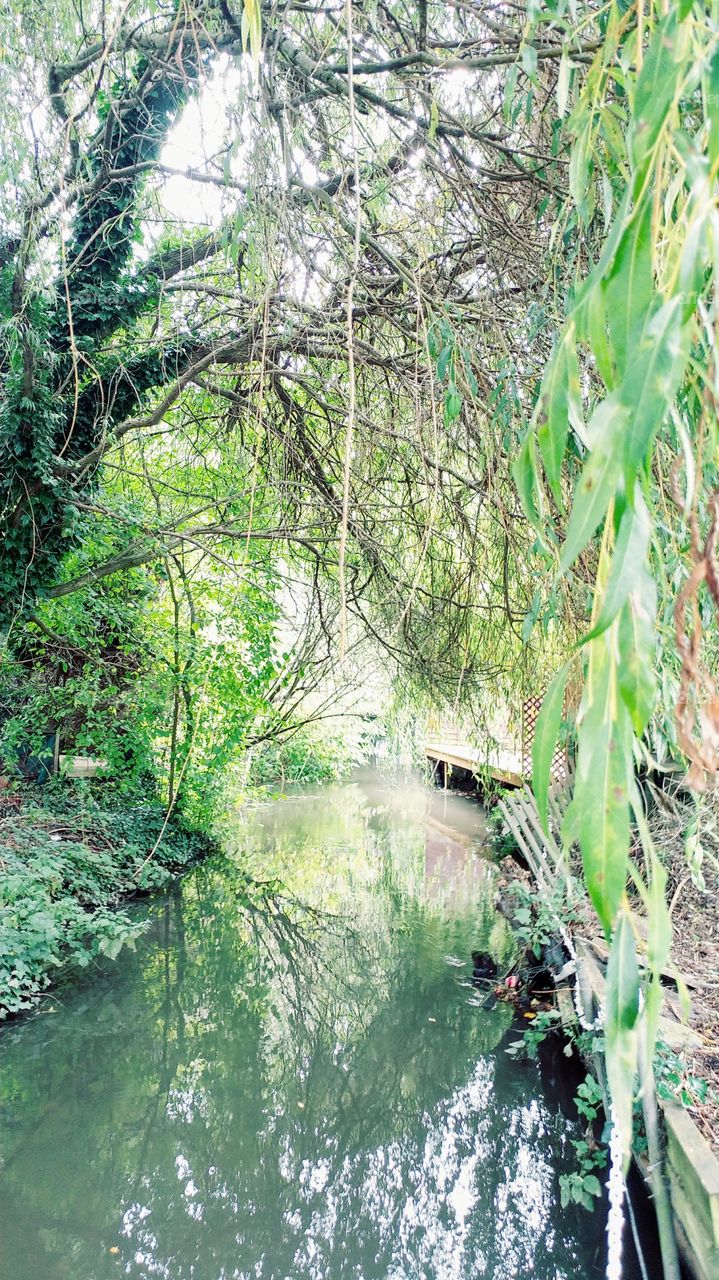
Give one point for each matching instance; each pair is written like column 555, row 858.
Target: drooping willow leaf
column 637, row 641
column 630, row 286
column 628, row 566
column 599, row 477
column 620, row 1028
column 560, row 405
column 601, row 792
column 656, row 90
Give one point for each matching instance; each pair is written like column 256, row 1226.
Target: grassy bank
column 69, row 855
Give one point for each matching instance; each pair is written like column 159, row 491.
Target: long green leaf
column 251, row 30
column 545, row 740
column 657, row 86
column 560, row 404
column 630, row 286
column 595, row 317
column 620, row 1026
column 600, row 271
column 579, row 159
column 524, row 471
column 653, row 896
column 700, row 218
column 636, row 638
column 627, row 571
column 659, row 921
column 601, row 793
column 711, row 99
column 598, row 480
column 623, row 976
column 652, row 380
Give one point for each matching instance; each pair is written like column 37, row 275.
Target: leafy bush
column 313, row 754
column 64, row 870
column 300, row 759
column 501, row 840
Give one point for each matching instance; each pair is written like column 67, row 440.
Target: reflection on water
column 270, row 1092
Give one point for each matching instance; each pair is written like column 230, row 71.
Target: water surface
column 265, row 1091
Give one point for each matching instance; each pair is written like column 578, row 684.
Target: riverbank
column 677, row 1125
column 689, row 840
column 70, row 855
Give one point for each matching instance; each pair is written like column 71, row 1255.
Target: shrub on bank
column 67, row 859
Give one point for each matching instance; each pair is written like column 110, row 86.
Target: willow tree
column 434, row 226
column 347, row 343
column 618, row 473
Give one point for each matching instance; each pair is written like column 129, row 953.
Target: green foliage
column 634, row 326
column 701, row 824
column 675, row 1081
column 136, row 115
column 167, row 677
column 184, row 398
column 580, row 1186
column 67, row 860
column 534, row 919
column 453, row 368
column 502, row 842
column 303, row 757
column 179, row 435
column 55, row 374
column 583, row 1186
column 82, row 668
column 546, row 1023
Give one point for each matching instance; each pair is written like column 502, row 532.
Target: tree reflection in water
column 272, row 1091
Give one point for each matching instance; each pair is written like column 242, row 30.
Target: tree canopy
column 338, row 363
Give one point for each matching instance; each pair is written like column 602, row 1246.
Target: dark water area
column 265, row 1090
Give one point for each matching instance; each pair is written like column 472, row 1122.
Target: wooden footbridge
column 507, row 762
column 503, row 767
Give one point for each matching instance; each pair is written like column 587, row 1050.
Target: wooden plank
column 533, row 823
column 519, row 810
column 565, row 1006
column 600, row 949
column 535, row 864
column 694, row 1181
column 676, row 1034
column 505, row 776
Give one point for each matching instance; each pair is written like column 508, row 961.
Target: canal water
column 293, row 1076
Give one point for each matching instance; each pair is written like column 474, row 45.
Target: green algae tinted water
column 267, row 1090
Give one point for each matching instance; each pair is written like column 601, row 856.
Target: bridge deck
column 502, row 766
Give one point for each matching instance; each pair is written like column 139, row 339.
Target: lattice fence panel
column 531, row 708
